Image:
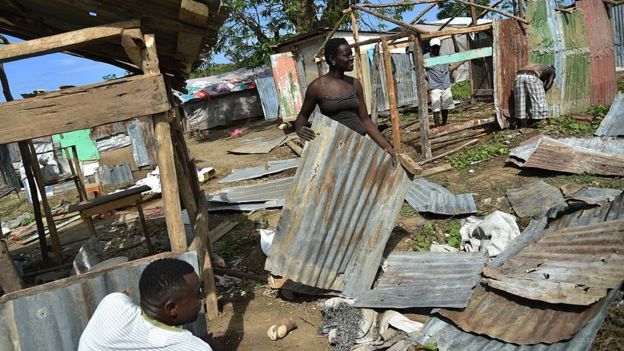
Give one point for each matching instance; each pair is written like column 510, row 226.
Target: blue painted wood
column 458, row 57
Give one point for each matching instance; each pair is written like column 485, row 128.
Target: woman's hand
column 305, row 133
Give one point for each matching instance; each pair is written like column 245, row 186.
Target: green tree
column 254, row 26
column 447, row 9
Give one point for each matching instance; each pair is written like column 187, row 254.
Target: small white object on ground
column 492, row 234
column 266, row 238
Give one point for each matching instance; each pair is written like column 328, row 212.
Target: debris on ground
column 271, row 167
column 281, row 329
column 490, row 234
column 535, row 199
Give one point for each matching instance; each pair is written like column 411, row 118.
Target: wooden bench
column 106, row 203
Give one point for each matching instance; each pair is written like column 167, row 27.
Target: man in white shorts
column 171, row 296
column 439, row 79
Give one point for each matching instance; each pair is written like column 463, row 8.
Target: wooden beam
column 378, row 39
column 392, row 96
column 320, row 50
column 449, row 152
column 456, row 127
column 83, row 107
column 376, row 77
column 423, row 108
column 54, row 238
column 473, row 14
column 409, row 164
column 507, row 14
column 189, row 45
column 9, row 279
column 65, row 41
column 455, row 14
column 456, row 31
column 132, row 43
column 484, row 12
column 358, row 54
column 435, row 170
column 389, row 19
column 521, row 8
column 458, row 57
column 423, row 13
column 397, row 4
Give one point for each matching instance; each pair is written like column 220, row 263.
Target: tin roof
column 271, row 167
column 339, row 213
column 426, row 196
column 613, row 123
column 535, row 199
column 425, row 279
column 257, row 192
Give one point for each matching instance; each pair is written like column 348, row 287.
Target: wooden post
column 423, row 13
column 392, row 96
column 148, row 240
column 54, row 238
column 473, row 14
column 375, row 83
column 80, row 180
column 521, row 8
column 358, row 57
column 9, row 279
column 423, row 108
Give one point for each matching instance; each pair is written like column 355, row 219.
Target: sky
column 51, row 71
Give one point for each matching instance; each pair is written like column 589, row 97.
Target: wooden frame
column 114, row 101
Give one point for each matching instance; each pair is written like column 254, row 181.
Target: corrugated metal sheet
column 523, row 321
column 573, row 266
column 287, row 85
column 560, row 39
column 426, row 196
column 250, row 206
column 117, row 175
column 617, row 16
column 511, row 53
column 405, row 76
column 535, row 199
column 270, row 167
column 258, row 192
column 448, row 337
column 268, row 97
column 572, row 155
column 601, row 51
column 139, row 151
column 613, row 123
column 425, row 279
column 258, row 145
column 52, row 316
column 592, row 195
column 340, row 212
column 222, row 110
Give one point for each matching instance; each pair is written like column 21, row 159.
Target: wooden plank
column 9, row 279
column 376, row 77
column 189, row 44
column 111, row 205
column 458, row 57
column 449, row 152
column 82, row 107
column 423, row 108
column 54, row 238
column 201, row 244
column 358, row 54
column 456, row 127
column 456, row 31
column 169, row 184
column 79, row 176
column 220, row 231
column 148, row 240
column 65, row 41
column 392, row 96
column 132, row 43
column 409, row 164
column 435, row 170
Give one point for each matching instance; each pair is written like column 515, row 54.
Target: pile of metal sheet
column 602, row 156
column 339, row 213
column 426, row 196
column 270, row 167
column 251, row 197
column 425, row 279
column 562, row 277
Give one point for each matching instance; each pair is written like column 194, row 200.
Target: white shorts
column 441, row 99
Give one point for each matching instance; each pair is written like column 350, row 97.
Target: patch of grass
column 589, row 180
column 565, row 126
column 235, row 245
column 461, row 90
column 494, row 147
column 408, row 211
column 454, row 238
column 27, row 220
column 425, row 237
column 598, row 110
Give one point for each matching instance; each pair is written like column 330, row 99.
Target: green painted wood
column 458, row 57
column 85, row 145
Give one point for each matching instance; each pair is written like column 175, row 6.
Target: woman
column 339, row 97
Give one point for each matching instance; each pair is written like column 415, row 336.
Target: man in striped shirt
column 171, row 296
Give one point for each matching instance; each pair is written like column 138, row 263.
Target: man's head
column 171, row 291
column 435, row 46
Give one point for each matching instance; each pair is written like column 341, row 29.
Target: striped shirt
column 119, row 325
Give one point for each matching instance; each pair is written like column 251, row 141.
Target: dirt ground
column 249, row 307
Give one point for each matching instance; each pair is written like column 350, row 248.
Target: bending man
column 532, row 83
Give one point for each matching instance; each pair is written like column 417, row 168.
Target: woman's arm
column 309, row 103
column 371, row 128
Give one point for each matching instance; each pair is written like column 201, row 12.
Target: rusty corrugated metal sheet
column 425, row 279
column 617, row 15
column 573, row 266
column 560, row 39
column 534, row 199
column 601, row 51
column 572, row 155
column 513, row 319
column 287, row 85
column 340, row 211
column 448, row 337
column 613, row 123
column 426, row 196
column 52, row 316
